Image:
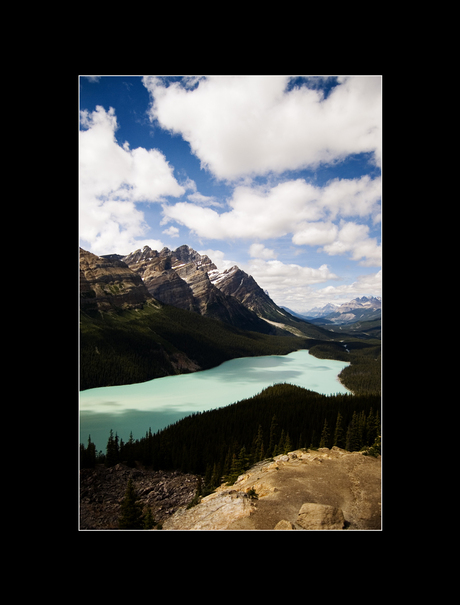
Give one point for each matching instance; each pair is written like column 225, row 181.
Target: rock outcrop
column 102, row 491
column 108, row 283
column 303, row 490
column 191, row 281
column 180, row 278
column 320, row 516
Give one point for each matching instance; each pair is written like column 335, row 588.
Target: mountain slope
column 125, row 341
column 244, row 288
column 180, row 278
column 191, row 281
column 107, row 284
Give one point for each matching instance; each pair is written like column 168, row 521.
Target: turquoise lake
column 162, row 401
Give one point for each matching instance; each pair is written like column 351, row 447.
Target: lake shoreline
column 163, row 401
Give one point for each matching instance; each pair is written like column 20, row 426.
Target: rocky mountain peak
column 108, row 283
column 182, row 278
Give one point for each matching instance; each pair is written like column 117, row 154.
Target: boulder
column 283, row 524
column 320, row 516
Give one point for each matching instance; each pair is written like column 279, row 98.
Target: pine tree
column 287, row 444
column 273, row 431
column 353, row 443
column 324, row 440
column 149, row 521
column 279, row 448
column 239, row 465
column 375, row 448
column 88, row 455
column 257, row 452
column 112, row 450
column 339, row 435
column 131, row 513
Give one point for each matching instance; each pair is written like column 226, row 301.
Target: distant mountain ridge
column 358, row 309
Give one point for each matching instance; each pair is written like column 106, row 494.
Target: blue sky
column 280, row 175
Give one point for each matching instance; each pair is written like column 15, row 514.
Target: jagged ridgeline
column 222, row 443
column 130, row 331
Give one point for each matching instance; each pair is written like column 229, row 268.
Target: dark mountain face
column 191, row 281
column 108, row 283
column 128, row 336
column 187, row 280
column 180, row 278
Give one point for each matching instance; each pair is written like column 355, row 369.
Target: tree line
column 138, row 345
column 220, row 444
column 363, row 375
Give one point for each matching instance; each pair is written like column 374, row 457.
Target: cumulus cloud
column 353, row 238
column 353, row 197
column 260, row 251
column 172, row 232
column 370, row 284
column 113, row 179
column 295, row 207
column 240, row 126
column 283, row 279
column 218, row 258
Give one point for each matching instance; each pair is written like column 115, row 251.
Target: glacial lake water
column 162, row 401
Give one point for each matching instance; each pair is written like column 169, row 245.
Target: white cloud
column 172, row 232
column 354, row 238
column 254, row 213
column 292, row 207
column 113, row 179
column 352, row 197
column 281, row 279
column 218, row 258
column 259, row 251
column 301, row 298
column 203, row 200
column 315, row 234
column 249, row 125
column 364, row 285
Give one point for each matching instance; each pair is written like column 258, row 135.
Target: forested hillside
column 363, row 375
column 161, row 340
column 221, row 443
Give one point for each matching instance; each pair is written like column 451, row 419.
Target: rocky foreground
column 102, row 491
column 303, row 490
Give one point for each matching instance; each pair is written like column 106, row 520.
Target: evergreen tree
column 88, row 455
column 149, row 521
column 129, row 449
column 239, row 465
column 353, row 442
column 273, row 432
column 287, row 444
column 112, row 453
column 131, row 513
column 339, row 435
column 216, row 475
column 372, row 427
column 91, row 452
column 279, row 448
column 324, row 440
column 300, row 442
column 257, row 452
column 375, row 448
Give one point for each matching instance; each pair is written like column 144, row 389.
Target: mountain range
column 191, row 281
column 358, row 309
column 152, row 314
